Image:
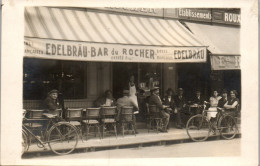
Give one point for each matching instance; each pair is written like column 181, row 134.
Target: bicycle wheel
column 62, row 138
column 198, row 128
column 228, row 127
column 25, row 144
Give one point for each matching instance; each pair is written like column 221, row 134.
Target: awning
column 223, row 43
column 58, row 33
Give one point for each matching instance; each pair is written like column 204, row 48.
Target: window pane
column 40, row 76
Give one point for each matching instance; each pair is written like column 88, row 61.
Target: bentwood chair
column 75, row 116
column 127, row 118
column 155, row 117
column 108, row 118
column 92, row 120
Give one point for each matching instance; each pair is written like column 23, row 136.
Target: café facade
column 83, row 52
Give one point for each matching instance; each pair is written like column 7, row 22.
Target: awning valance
column 223, row 43
column 221, row 40
column 58, row 33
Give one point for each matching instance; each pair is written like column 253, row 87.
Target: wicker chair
column 92, row 120
column 127, row 118
column 156, row 117
column 75, row 117
column 108, row 117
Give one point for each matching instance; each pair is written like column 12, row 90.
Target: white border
column 11, row 81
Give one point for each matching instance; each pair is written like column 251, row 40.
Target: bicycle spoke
column 63, row 138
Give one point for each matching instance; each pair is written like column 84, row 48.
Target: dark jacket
column 180, row 102
column 197, row 100
column 171, row 103
column 51, row 104
column 222, row 102
column 154, row 100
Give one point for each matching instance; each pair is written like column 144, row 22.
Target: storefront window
column 40, row 76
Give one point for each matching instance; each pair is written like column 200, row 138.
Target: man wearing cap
column 180, row 104
column 156, row 100
column 125, row 101
column 51, row 103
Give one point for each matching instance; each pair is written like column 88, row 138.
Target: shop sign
column 226, row 17
column 225, row 62
column 140, row 11
column 195, row 14
column 84, row 51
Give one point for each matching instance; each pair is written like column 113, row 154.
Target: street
column 219, row 148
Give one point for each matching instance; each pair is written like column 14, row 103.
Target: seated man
column 51, row 102
column 155, row 99
column 198, row 101
column 169, row 101
column 106, row 100
column 126, row 101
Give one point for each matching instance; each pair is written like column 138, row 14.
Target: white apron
column 132, row 96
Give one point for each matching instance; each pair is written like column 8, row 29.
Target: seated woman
column 231, row 104
column 212, row 111
column 106, row 100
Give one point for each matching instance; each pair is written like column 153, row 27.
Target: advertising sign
column 225, row 62
column 84, row 51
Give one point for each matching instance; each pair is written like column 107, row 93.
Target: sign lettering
column 83, row 51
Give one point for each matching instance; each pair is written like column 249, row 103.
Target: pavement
column 217, row 148
column 142, row 139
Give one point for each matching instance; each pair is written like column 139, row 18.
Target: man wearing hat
column 156, row 100
column 180, row 104
column 51, row 103
column 125, row 101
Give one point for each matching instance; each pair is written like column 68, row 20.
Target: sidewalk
column 143, row 138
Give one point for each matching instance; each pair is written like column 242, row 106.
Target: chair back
column 35, row 114
column 74, row 114
column 108, row 112
column 154, row 111
column 127, row 113
column 92, row 113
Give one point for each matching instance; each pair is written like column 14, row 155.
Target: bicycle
column 62, row 137
column 199, row 126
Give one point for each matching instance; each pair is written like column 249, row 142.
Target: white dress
column 212, row 111
column 132, row 96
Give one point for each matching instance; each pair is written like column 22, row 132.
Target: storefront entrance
column 121, row 74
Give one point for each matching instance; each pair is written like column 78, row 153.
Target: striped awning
column 49, row 23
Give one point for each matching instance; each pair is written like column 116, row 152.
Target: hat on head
column 154, row 89
column 180, row 89
column 169, row 90
column 126, row 92
column 53, row 91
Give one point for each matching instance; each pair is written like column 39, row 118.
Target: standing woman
column 212, row 111
column 133, row 91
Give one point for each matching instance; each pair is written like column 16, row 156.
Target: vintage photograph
column 121, row 82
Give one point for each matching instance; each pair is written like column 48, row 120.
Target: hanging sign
column 84, row 51
column 225, row 62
